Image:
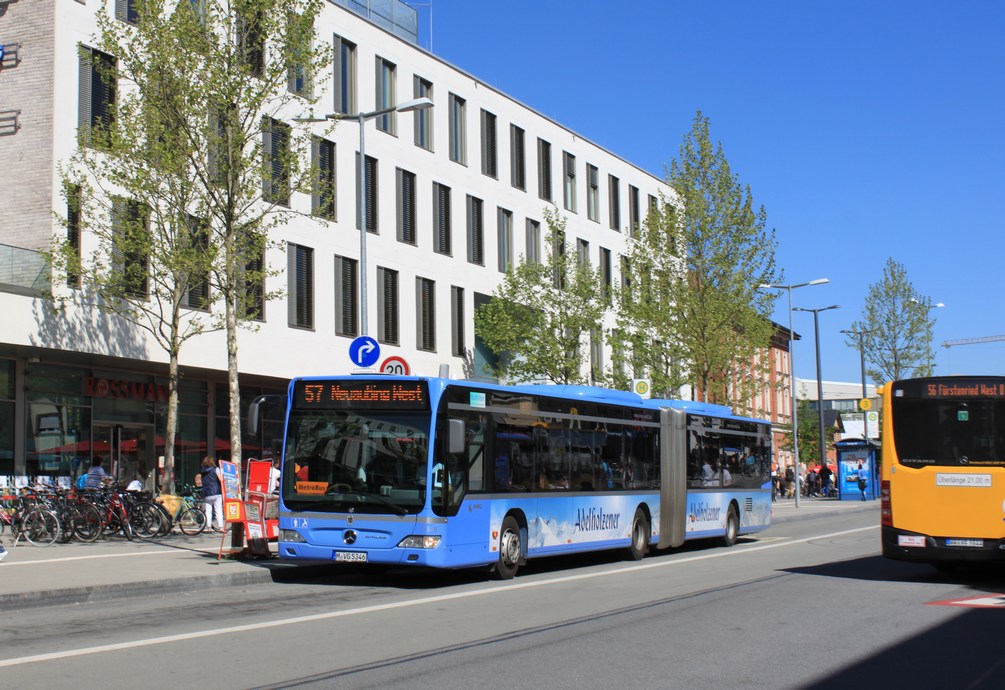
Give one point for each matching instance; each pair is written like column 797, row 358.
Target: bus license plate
column 350, row 556
column 965, row 542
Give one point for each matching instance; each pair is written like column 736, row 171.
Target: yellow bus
column 943, row 470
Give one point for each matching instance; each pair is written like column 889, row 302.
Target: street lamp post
column 820, row 383
column 362, row 119
column 792, row 369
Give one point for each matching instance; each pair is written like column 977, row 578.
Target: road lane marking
column 313, row 618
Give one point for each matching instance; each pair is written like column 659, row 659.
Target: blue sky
column 866, row 129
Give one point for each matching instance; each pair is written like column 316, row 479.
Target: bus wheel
column 732, row 526
column 510, row 550
column 640, row 536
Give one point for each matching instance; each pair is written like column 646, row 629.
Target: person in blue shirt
column 862, row 479
column 96, row 476
column 212, row 492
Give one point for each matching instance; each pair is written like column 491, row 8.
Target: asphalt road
column 807, row 604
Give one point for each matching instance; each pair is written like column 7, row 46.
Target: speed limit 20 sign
column 395, row 365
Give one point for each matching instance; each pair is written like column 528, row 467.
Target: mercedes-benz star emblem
column 350, row 536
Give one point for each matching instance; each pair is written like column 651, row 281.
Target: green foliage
column 895, row 328
column 542, row 313
column 808, row 420
column 170, row 185
column 691, row 310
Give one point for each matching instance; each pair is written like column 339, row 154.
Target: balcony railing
column 392, row 15
column 23, row 271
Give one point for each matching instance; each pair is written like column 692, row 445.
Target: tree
column 692, row 310
column 895, row 331
column 195, row 167
column 542, row 312
column 809, row 434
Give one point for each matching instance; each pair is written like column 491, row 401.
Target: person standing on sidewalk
column 862, row 481
column 212, row 492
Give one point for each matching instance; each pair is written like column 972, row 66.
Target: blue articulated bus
column 450, row 473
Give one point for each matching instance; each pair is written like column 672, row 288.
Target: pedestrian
column 790, row 481
column 825, row 481
column 96, row 476
column 862, row 479
column 274, row 475
column 212, row 492
column 774, row 482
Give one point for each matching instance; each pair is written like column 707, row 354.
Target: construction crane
column 974, row 341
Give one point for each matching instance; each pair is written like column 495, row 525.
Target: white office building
column 458, row 196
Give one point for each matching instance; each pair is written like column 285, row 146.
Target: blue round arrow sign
column 364, row 351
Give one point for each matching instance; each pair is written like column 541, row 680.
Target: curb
column 100, row 593
column 794, row 514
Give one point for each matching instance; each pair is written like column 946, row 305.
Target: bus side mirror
column 455, row 429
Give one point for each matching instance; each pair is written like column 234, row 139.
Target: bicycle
column 189, row 516
column 39, row 526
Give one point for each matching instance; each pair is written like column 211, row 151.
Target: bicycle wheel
column 40, row 527
column 145, row 520
column 87, row 523
column 126, row 526
column 167, row 522
column 192, row 521
column 65, row 514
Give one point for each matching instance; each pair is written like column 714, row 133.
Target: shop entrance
column 132, row 452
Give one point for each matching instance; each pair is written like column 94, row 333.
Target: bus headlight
column 420, row 541
column 291, row 535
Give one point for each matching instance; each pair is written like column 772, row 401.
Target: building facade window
column 425, row 314
column 457, row 348
column 251, row 40
column 387, row 305
column 323, row 192
column 346, row 297
column 633, row 210
column 276, row 149
column 253, row 303
column 505, row 236
column 605, row 274
column 517, row 158
column 592, row 193
column 130, row 233
column 300, row 285
column 441, row 219
column 73, row 220
column 476, row 231
column 614, row 201
column 344, row 55
column 544, row 170
column 458, row 132
column 127, row 11
column 423, row 119
column 533, row 243
column 582, row 252
column 370, row 194
column 386, row 97
column 197, row 296
column 569, row 181
column 490, row 165
column 299, row 77
column 596, row 355
column 97, row 89
column 405, row 182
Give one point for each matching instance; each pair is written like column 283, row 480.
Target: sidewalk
column 113, row 568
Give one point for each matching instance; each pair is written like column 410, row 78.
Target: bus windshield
column 358, row 460
column 954, row 433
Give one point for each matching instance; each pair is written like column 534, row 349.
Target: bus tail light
column 885, row 508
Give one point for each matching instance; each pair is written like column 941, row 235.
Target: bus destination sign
column 342, row 394
column 966, row 389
